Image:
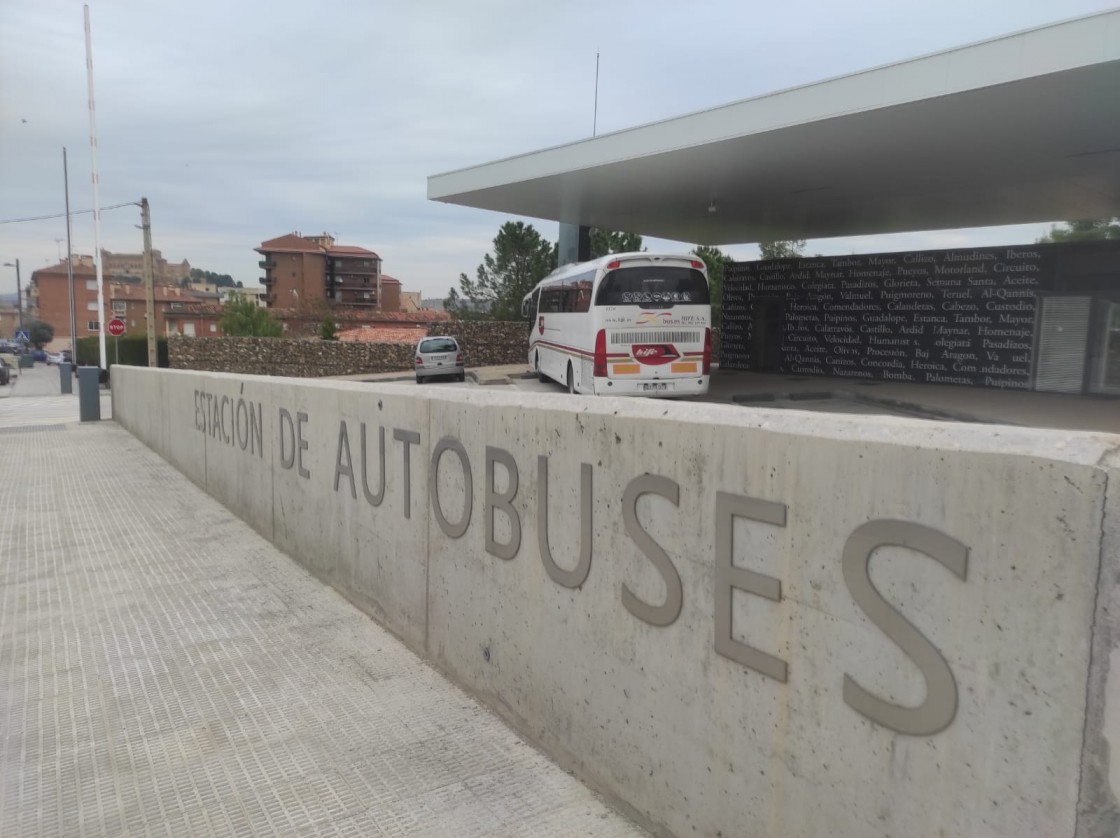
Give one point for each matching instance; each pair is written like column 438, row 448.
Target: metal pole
column 19, row 297
column 149, row 281
column 70, row 265
column 595, row 118
column 96, row 204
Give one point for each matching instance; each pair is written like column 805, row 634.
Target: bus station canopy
column 1023, row 128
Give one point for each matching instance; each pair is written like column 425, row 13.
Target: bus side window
column 583, row 296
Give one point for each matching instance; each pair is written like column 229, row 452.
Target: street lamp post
column 19, row 291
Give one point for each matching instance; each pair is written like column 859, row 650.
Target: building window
column 91, row 305
column 91, row 284
column 93, row 325
column 213, row 327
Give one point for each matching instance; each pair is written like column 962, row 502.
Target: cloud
column 243, row 121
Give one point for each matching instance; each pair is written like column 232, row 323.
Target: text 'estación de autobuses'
column 364, row 475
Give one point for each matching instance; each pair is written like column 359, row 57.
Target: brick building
column 9, row 321
column 177, row 310
column 302, row 271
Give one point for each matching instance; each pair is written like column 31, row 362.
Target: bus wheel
column 571, row 381
column 537, row 362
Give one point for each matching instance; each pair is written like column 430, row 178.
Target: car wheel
column 571, row 381
column 462, row 376
column 419, row 380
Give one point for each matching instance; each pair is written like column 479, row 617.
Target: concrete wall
column 721, row 660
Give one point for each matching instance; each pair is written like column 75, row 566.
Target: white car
column 439, row 355
column 54, row 358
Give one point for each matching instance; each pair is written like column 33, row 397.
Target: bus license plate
column 655, row 385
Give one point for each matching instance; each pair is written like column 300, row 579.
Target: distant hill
column 9, row 299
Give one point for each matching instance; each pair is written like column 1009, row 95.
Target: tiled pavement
column 165, row 671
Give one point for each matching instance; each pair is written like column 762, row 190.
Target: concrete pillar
column 575, row 243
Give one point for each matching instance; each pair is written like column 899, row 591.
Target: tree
column 215, row 279
column 521, row 258
column 39, row 332
column 242, row 317
column 328, row 329
column 715, row 260
column 1093, row 229
column 781, row 249
column 604, row 242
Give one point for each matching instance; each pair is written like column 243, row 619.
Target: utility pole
column 96, row 204
column 19, row 297
column 149, row 282
column 19, row 292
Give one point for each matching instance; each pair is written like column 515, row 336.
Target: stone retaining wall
column 486, row 343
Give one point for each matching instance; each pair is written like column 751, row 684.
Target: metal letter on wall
column 286, row 460
column 450, row 443
column 301, row 445
column 374, row 498
column 578, row 575
column 408, row 438
column 728, row 578
column 341, row 468
column 502, row 502
column 667, row 612
column 940, row 705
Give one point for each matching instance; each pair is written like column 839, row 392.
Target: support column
column 575, row 243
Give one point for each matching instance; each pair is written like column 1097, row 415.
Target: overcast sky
column 242, row 120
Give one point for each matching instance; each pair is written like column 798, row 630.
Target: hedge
column 133, row 351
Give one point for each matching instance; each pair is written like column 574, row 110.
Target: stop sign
column 116, row 327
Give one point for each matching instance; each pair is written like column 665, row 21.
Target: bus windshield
column 654, row 286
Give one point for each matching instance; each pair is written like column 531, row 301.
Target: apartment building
column 177, row 310
column 305, row 270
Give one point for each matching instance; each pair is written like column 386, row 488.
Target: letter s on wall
column 667, row 612
column 940, row 706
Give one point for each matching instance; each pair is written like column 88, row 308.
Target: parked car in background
column 54, row 358
column 5, row 373
column 439, row 355
column 38, row 355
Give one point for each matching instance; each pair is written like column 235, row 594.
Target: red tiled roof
column 350, row 250
column 195, row 309
column 391, row 280
column 374, row 316
column 60, row 268
column 383, row 334
column 162, row 293
column 291, row 243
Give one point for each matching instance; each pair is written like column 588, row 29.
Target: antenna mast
column 595, row 118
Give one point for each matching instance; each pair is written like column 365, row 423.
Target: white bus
column 628, row 324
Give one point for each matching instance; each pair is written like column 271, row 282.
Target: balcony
column 266, row 264
column 265, row 280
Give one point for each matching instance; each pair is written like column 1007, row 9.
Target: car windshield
column 438, row 345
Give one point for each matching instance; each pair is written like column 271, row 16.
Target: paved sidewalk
column 165, row 671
